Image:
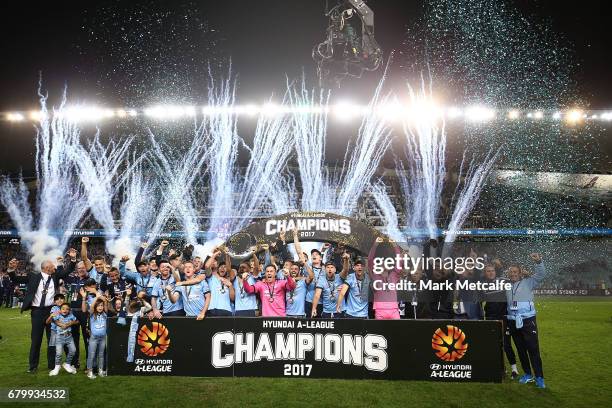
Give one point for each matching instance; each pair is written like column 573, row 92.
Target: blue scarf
column 132, row 339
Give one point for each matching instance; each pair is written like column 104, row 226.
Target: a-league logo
column 449, row 345
column 154, row 341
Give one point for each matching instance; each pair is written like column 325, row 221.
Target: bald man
column 41, row 289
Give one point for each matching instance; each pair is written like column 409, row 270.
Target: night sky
column 142, row 52
column 265, row 39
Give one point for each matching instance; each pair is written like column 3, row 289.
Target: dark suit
column 6, row 291
column 39, row 315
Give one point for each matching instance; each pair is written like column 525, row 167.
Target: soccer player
column 316, row 265
column 222, row 292
column 279, row 248
column 74, row 284
column 329, row 289
column 95, row 270
column 197, row 263
column 296, row 298
column 245, row 304
column 195, row 298
column 175, row 261
column 159, row 298
column 152, row 265
column 385, row 303
column 143, row 279
column 115, row 286
column 270, row 259
column 271, row 291
column 522, row 319
column 357, row 285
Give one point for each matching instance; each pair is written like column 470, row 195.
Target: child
column 88, row 293
column 97, row 341
column 64, row 321
column 121, row 307
column 139, row 306
column 58, row 300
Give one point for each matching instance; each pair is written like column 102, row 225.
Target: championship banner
column 434, row 350
column 312, row 226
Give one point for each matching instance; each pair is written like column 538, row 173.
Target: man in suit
column 7, row 285
column 41, row 289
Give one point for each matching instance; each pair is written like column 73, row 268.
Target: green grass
column 574, row 341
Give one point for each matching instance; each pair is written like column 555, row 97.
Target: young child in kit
column 63, row 338
column 58, row 300
column 97, row 341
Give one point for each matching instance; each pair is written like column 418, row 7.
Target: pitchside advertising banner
column 435, row 350
column 494, row 232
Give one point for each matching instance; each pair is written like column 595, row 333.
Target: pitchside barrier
column 435, row 350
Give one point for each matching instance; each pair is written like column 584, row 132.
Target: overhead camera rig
column 350, row 47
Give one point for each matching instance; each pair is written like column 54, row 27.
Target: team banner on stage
column 436, row 350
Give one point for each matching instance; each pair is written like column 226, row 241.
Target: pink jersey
column 384, row 300
column 272, row 295
column 386, row 314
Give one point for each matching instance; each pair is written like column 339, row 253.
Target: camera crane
column 350, row 47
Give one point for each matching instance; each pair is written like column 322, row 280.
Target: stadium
column 265, row 203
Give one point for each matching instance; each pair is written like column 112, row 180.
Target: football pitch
column 574, row 342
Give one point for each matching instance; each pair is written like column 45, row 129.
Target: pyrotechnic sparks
column 99, row 172
column 425, row 153
column 60, row 201
column 338, row 192
column 176, row 175
column 140, row 200
column 224, row 142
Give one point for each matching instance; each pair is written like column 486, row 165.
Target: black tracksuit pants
column 527, row 345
